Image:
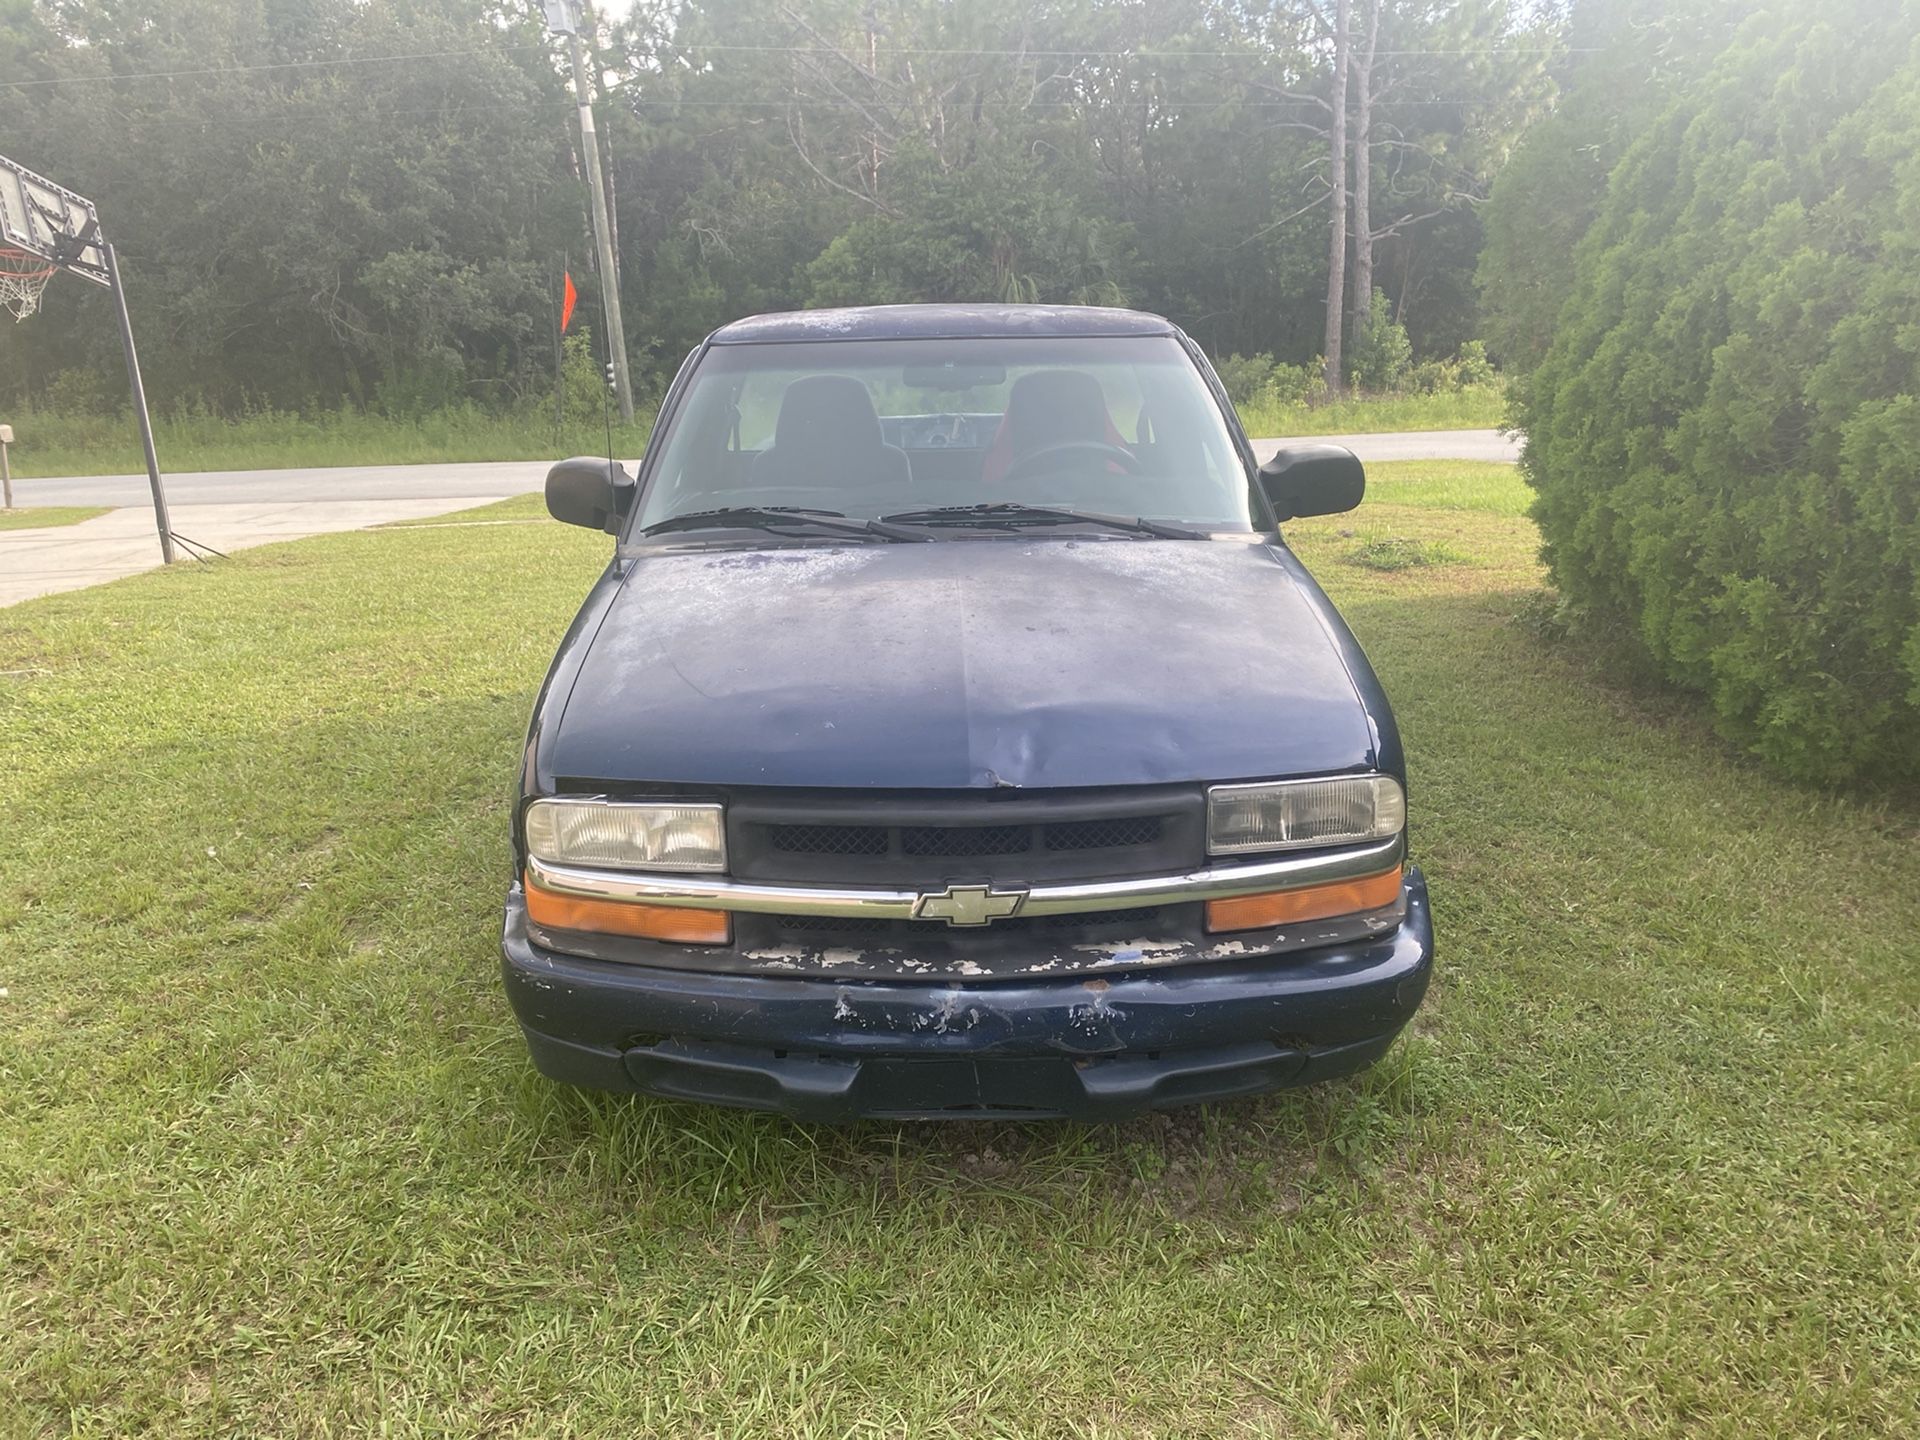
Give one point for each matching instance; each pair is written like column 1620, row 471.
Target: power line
column 213, row 70
column 348, row 61
column 636, row 102
column 317, row 112
column 1208, row 102
column 1091, row 54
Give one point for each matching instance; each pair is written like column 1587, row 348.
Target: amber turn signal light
column 676, row 923
column 1314, row 902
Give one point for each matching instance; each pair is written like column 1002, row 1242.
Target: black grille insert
column 966, row 840
column 829, row 839
column 1150, row 915
column 928, row 842
column 1103, row 834
column 832, row 924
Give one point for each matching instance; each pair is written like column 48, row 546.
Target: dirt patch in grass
column 1403, row 552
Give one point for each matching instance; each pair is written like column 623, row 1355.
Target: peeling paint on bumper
column 1092, row 1048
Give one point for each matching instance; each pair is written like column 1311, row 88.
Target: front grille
column 1103, row 834
column 966, row 840
column 832, row 924
column 928, row 841
column 828, row 839
column 814, row 926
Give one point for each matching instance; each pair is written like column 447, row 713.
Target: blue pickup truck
column 952, row 733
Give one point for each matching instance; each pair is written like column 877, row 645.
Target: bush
column 1381, row 351
column 1260, row 381
column 79, row 392
column 1245, row 376
column 1725, row 432
column 1473, row 367
column 585, row 382
column 1296, row 385
column 1433, row 377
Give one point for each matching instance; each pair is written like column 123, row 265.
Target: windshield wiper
column 774, row 517
column 1012, row 513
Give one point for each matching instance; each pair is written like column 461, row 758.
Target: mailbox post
column 6, row 473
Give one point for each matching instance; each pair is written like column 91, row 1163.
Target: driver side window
column 759, row 407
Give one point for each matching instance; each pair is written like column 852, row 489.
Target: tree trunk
column 1363, row 168
column 1337, row 229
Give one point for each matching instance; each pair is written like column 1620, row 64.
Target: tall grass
column 53, row 443
column 1477, row 407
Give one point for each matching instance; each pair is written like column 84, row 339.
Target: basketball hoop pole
column 41, row 219
column 161, row 519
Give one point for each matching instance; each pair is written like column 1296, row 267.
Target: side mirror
column 1313, row 480
column 591, row 491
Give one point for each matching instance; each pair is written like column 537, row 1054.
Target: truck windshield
column 870, row 428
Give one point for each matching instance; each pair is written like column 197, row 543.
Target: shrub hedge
column 1725, row 432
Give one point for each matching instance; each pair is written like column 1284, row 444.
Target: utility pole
column 1337, row 238
column 563, row 18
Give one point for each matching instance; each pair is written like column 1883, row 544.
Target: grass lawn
column 272, row 1160
column 44, row 517
column 1442, row 485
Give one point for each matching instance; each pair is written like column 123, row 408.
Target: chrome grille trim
column 1214, row 882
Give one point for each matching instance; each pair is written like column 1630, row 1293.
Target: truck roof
column 939, row 322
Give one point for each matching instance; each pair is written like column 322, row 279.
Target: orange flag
column 567, row 296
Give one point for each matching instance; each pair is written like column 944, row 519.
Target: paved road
column 517, row 477
column 231, row 509
column 1488, row 445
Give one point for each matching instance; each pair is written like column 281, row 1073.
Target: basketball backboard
column 43, row 219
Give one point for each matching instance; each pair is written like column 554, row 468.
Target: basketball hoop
column 22, row 278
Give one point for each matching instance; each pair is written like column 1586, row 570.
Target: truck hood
column 962, row 664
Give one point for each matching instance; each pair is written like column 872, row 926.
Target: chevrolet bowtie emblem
column 969, row 905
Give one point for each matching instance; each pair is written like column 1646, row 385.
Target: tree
column 300, row 218
column 1441, row 90
column 367, row 201
column 1625, row 61
column 1337, row 227
column 1725, row 429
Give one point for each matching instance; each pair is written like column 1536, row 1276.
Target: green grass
column 54, row 444
column 273, row 1161
column 43, row 517
column 521, row 509
column 1480, row 407
column 1447, row 485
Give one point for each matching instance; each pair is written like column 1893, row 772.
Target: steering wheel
column 1098, row 449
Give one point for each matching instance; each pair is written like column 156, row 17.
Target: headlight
column 1295, row 814
column 622, row 835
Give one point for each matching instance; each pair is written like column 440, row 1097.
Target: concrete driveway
column 232, row 509
column 330, row 485
column 123, row 542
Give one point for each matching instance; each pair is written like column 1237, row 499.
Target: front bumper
column 1086, row 1046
